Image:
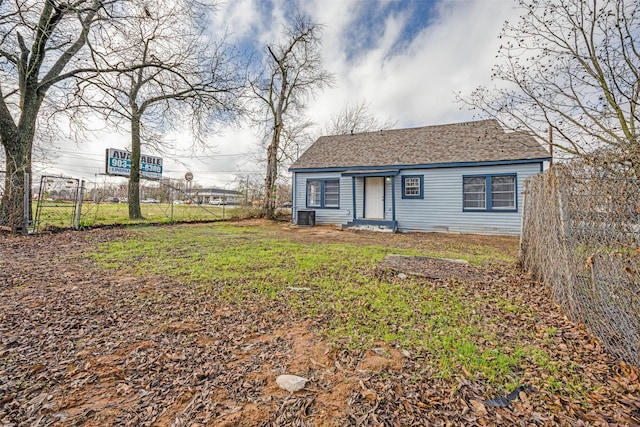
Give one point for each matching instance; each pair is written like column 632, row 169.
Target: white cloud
column 236, row 18
column 410, row 81
column 416, row 86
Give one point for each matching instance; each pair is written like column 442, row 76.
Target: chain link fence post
column 26, row 203
column 80, row 199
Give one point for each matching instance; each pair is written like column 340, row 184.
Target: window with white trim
column 412, row 187
column 489, row 193
column 323, row 193
column 314, row 193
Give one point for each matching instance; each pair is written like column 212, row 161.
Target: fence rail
column 59, row 202
column 178, row 206
column 581, row 236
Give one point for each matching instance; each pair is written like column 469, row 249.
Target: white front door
column 374, row 198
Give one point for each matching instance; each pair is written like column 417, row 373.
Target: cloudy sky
column 406, row 59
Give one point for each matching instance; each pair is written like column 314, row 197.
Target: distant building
column 215, row 196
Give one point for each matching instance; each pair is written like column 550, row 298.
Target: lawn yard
column 59, row 214
column 190, row 325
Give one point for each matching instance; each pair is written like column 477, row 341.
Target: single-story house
column 460, row 177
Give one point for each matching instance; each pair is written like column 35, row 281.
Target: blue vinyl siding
column 439, row 209
column 339, row 215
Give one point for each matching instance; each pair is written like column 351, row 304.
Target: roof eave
column 419, row 166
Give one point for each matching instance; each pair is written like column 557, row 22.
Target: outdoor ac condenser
column 306, row 218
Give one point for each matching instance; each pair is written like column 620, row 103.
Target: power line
column 82, row 154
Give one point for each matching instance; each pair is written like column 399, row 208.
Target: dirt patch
column 380, row 358
column 83, row 346
column 430, row 268
column 507, row 245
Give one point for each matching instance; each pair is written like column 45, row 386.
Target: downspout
column 393, row 198
column 353, row 195
column 294, row 198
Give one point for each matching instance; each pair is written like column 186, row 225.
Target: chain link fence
column 58, row 202
column 581, row 236
column 64, row 202
column 58, row 199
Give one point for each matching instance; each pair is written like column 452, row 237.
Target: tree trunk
column 18, row 143
column 134, row 178
column 269, row 204
column 17, row 186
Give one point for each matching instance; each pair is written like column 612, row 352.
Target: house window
column 332, row 194
column 412, row 187
column 314, row 193
column 503, row 192
column 489, row 193
column 323, row 193
column 474, row 190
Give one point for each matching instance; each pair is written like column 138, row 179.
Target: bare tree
column 571, row 67
column 293, row 71
column 175, row 76
column 356, row 118
column 251, row 186
column 39, row 41
column 295, row 138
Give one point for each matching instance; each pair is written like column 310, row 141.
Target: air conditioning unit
column 306, row 218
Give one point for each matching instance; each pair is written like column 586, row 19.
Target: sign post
column 188, row 177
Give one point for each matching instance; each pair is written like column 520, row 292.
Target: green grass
column 59, row 214
column 446, row 325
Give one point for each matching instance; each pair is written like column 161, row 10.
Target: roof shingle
column 479, row 141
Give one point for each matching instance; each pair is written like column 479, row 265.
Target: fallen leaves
column 82, row 346
column 478, row 407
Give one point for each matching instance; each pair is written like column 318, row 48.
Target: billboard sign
column 119, row 163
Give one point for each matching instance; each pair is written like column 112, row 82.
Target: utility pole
column 246, row 192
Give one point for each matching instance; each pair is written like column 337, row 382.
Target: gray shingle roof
column 480, row 141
